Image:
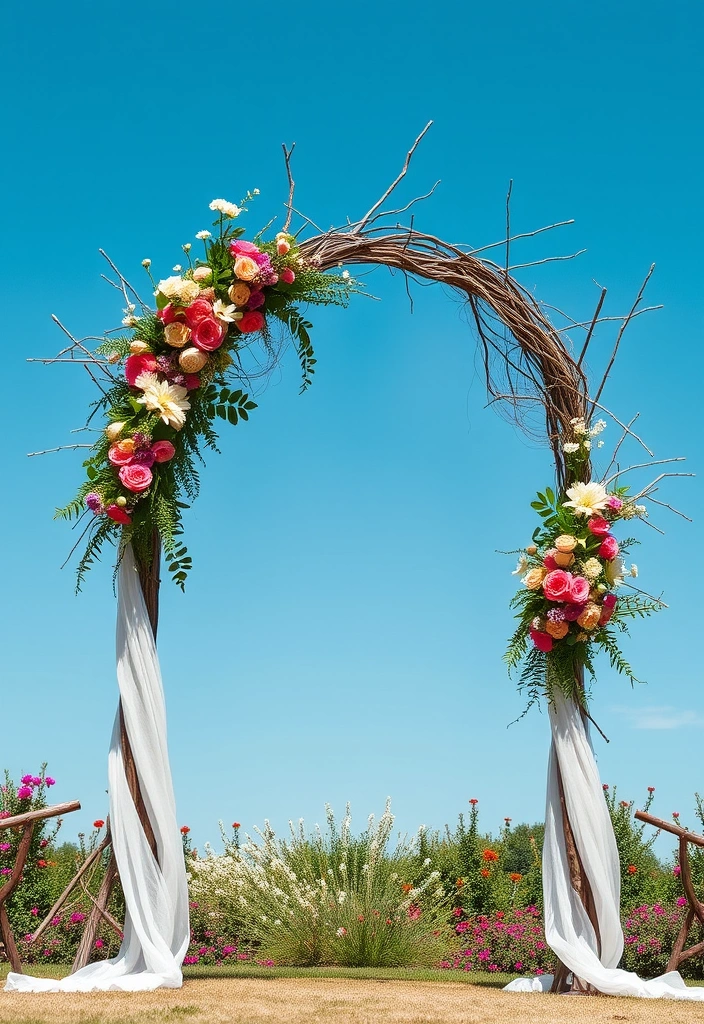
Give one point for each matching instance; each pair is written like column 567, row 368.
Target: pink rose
column 543, row 641
column 197, row 311
column 598, row 526
column 163, row 451
column 572, row 612
column 579, row 590
column 121, row 454
column 609, row 547
column 135, row 365
column 118, row 514
column 191, row 381
column 207, row 334
column 241, row 248
column 135, row 478
column 615, row 503
column 287, row 276
column 549, row 559
column 250, row 322
column 557, row 585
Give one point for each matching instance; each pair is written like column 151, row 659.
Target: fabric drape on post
column 568, row 930
column 156, row 932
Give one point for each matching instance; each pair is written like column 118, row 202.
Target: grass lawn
column 243, row 995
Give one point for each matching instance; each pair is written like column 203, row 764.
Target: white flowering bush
column 332, row 899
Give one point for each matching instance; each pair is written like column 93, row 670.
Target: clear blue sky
column 342, row 632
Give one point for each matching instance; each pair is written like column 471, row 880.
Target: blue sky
column 342, row 631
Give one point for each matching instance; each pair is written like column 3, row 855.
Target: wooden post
column 149, row 581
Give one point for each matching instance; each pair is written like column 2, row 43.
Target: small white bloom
column 226, row 209
column 586, row 444
column 570, row 448
column 202, row 235
column 341, row 897
column 146, row 263
column 426, row 862
column 600, row 444
column 224, row 313
column 178, row 268
column 598, row 427
column 255, row 192
column 641, row 510
column 633, row 571
column 187, row 247
column 130, row 321
column 521, row 567
column 592, row 568
column 346, row 275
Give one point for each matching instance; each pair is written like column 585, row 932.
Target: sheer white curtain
column 568, row 930
column 157, row 930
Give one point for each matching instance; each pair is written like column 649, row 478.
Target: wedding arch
column 183, row 366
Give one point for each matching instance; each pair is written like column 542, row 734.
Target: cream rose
column 239, row 293
column 137, row 348
column 245, row 268
column 202, row 274
column 564, row 559
column 533, row 579
column 177, row 334
column 566, row 543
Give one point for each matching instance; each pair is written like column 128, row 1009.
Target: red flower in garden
column 185, row 830
column 605, row 787
column 675, row 814
column 406, row 886
column 507, row 820
column 632, row 869
column 651, row 789
column 489, row 855
column 251, row 321
column 459, row 883
column 98, row 823
column 474, row 802
column 42, row 864
column 485, row 873
column 235, row 824
column 515, row 877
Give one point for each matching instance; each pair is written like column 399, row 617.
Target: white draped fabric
column 568, row 930
column 157, row 930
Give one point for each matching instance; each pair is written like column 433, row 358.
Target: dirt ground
column 333, row 1001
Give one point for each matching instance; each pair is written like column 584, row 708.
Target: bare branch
column 508, row 226
column 125, row 285
column 624, row 325
column 548, row 259
column 523, row 234
column 409, row 156
column 61, row 448
column 650, row 597
column 656, row 501
column 595, row 321
column 288, row 153
column 623, row 437
column 663, row 476
column 646, row 465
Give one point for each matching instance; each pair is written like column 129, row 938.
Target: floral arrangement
column 174, row 375
column 569, row 606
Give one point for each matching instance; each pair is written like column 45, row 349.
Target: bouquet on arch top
column 571, row 604
column 177, row 372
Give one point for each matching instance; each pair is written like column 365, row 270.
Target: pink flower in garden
column 677, row 870
column 208, row 334
column 251, row 321
column 287, row 276
column 256, row 299
column 26, row 780
column 4, row 847
column 99, row 943
column 77, row 918
column 199, row 310
column 4, row 814
column 6, row 871
column 557, row 585
column 191, row 959
column 43, row 844
column 48, row 781
column 493, row 967
column 579, row 590
column 24, row 793
column 598, row 526
column 458, row 911
column 118, row 515
column 518, row 965
column 614, row 503
column 242, row 248
column 242, row 956
column 135, row 478
column 609, row 547
column 34, row 911
column 191, row 381
column 134, row 365
column 543, row 641
column 463, row 926
column 163, row 451
column 681, row 901
column 55, row 920
column 605, row 786
column 36, row 781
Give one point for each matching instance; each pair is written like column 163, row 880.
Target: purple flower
column 26, row 780
column 256, row 299
column 24, row 793
column 4, row 847
column 48, row 781
column 36, row 781
column 191, row 959
column 56, row 920
column 6, row 871
column 141, row 441
column 143, row 458
column 94, row 502
column 77, row 918
column 682, row 901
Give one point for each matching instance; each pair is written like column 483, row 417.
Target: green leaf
column 232, row 415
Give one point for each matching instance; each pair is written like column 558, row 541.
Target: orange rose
column 245, row 268
column 239, row 293
column 564, row 559
column 557, row 629
column 589, row 619
column 534, row 577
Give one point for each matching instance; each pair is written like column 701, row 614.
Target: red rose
column 197, row 311
column 557, row 585
column 598, row 526
column 572, row 612
column 163, row 451
column 207, row 334
column 169, row 314
column 135, row 478
column 287, row 276
column 543, row 641
column 609, row 547
column 139, row 364
column 250, row 322
column 118, row 515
